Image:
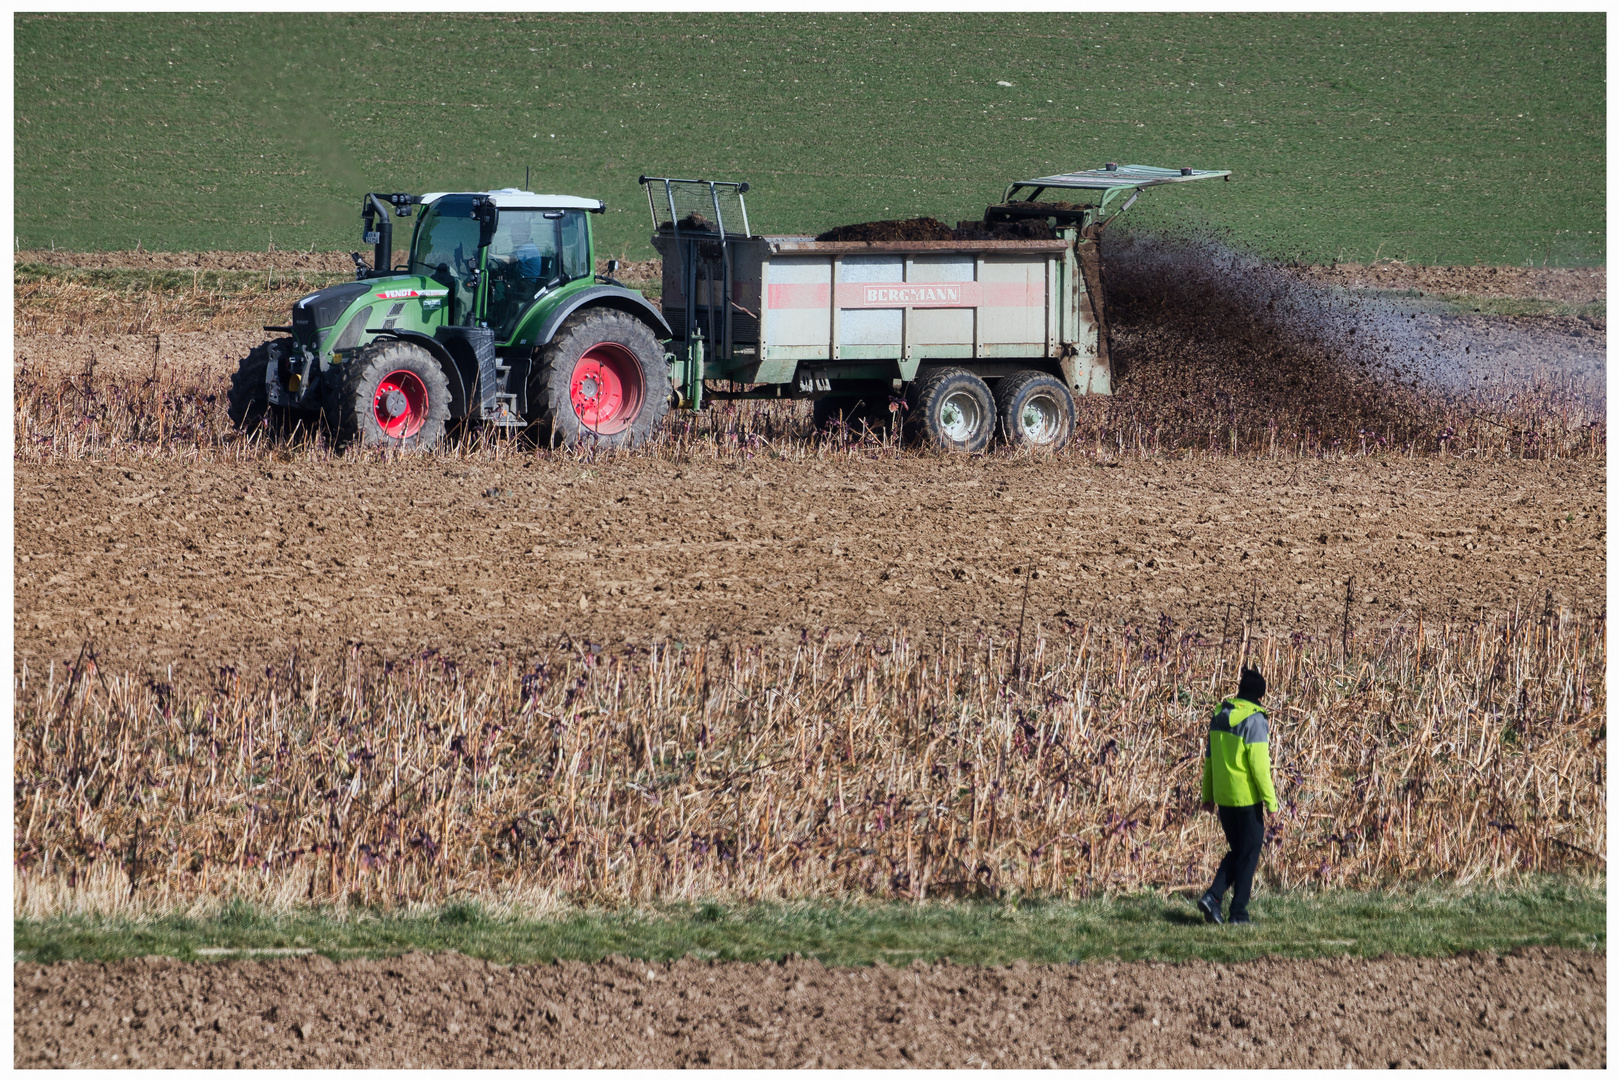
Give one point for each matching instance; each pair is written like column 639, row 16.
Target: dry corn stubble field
column 747, row 663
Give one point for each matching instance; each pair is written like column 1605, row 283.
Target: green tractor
column 498, row 317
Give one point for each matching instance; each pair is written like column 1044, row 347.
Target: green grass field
column 1446, row 138
column 1149, row 926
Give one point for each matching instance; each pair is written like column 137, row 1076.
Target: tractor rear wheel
column 392, row 393
column 1036, row 411
column 952, row 409
column 248, row 399
column 603, row 378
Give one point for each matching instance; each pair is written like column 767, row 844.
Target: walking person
column 1237, row 786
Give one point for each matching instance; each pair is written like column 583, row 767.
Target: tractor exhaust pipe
column 379, row 233
column 379, row 227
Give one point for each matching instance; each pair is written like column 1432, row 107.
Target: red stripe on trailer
column 913, row 294
column 1015, row 294
column 800, row 296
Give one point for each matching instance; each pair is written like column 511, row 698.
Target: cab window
column 445, row 248
column 575, row 245
column 533, row 252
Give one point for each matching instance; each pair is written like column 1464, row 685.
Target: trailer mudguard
column 598, row 296
column 459, row 380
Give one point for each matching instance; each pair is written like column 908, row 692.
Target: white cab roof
column 512, row 199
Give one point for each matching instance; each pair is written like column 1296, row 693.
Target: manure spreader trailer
column 497, row 317
column 962, row 338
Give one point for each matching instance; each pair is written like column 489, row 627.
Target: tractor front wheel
column 602, row 378
column 391, row 394
column 248, row 399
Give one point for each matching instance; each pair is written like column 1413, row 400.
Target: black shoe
column 1210, row 907
column 1241, row 920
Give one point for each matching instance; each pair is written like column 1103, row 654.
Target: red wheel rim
column 400, row 404
column 605, row 388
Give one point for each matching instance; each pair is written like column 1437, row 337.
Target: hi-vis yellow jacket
column 1236, row 761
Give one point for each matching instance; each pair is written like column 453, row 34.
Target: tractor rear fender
column 459, row 379
column 609, row 296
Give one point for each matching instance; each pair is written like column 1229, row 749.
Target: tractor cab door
column 534, row 253
column 445, row 249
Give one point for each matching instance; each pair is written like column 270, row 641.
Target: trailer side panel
column 881, row 311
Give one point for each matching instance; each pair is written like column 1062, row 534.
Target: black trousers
column 1245, row 831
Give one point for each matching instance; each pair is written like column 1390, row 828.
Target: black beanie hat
column 1252, row 686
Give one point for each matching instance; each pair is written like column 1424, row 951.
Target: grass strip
column 1432, row 921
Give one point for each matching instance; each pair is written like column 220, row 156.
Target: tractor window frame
column 461, row 292
column 578, row 248
column 506, row 306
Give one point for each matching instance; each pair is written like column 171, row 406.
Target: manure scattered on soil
column 1206, row 341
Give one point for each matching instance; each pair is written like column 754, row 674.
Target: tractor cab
column 536, row 245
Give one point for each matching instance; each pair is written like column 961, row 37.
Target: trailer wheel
column 603, row 377
column 953, row 409
column 248, row 401
column 392, row 393
column 1036, row 411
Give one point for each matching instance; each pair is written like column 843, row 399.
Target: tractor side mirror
column 612, row 266
column 488, row 215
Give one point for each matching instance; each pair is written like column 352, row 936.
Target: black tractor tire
column 391, row 393
column 602, row 378
column 1036, row 411
column 247, row 402
column 952, row 409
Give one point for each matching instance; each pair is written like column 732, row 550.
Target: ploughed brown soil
column 1584, row 285
column 206, row 565
column 1536, row 1008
